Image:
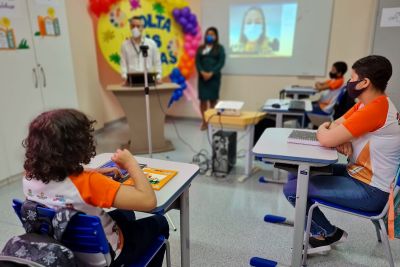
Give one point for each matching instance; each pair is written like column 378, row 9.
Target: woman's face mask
column 253, row 31
column 210, row 39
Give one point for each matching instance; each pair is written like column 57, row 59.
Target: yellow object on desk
column 157, row 177
column 246, row 118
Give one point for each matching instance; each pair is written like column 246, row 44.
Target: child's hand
column 123, row 158
column 113, row 172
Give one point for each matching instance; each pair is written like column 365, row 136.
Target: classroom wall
column 93, row 99
column 351, row 38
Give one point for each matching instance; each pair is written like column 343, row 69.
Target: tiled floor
column 226, row 217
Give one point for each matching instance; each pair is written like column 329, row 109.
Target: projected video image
column 262, row 30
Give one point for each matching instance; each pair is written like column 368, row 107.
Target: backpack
column 41, row 249
column 42, row 242
column 392, row 218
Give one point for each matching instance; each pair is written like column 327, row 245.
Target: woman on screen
column 253, row 34
column 210, row 58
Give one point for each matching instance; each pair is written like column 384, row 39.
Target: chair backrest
column 345, row 102
column 84, row 236
column 334, row 98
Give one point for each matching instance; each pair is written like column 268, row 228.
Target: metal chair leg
column 385, row 240
column 307, row 235
column 171, row 222
column 378, row 231
column 168, row 253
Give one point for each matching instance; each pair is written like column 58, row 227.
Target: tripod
column 144, row 49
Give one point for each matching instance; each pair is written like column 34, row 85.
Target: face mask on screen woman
column 253, row 31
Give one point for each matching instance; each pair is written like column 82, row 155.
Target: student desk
column 133, row 103
column 298, row 90
column 243, row 123
column 283, row 110
column 174, row 195
column 273, row 147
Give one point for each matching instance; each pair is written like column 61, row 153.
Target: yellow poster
column 113, row 30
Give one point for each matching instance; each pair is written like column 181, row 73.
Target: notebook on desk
column 297, row 105
column 304, row 138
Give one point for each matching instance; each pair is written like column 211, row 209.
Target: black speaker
column 224, row 151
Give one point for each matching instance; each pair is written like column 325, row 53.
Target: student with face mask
column 210, row 58
column 369, row 135
column 330, row 90
column 131, row 56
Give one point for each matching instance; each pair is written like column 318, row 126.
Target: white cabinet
column 32, row 80
column 53, row 53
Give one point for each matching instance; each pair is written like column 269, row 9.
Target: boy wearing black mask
column 336, row 81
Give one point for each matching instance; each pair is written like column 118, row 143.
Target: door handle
column 44, row 76
column 35, row 77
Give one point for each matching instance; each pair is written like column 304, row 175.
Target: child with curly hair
column 59, row 143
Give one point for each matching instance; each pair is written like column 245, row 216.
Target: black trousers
column 139, row 235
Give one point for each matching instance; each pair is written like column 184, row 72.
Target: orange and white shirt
column 88, row 192
column 329, row 97
column 376, row 143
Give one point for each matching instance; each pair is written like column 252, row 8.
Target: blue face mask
column 253, row 31
column 210, row 39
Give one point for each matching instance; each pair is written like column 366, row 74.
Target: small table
column 174, row 195
column 299, row 90
column 133, row 103
column 283, row 110
column 273, row 147
column 243, row 123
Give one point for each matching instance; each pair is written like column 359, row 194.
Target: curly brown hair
column 58, row 143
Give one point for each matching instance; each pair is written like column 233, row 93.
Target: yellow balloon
column 5, row 22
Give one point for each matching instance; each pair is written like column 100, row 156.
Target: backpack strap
column 61, row 220
column 391, row 214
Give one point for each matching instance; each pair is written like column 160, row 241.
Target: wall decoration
column 12, row 9
column 170, row 23
column 7, row 36
column 48, row 25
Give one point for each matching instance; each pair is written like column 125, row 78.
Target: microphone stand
column 144, row 49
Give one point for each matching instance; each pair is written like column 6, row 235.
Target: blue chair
column 318, row 119
column 86, row 238
column 377, row 219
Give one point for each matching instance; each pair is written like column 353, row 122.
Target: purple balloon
column 190, row 27
column 192, row 18
column 193, row 32
column 185, row 12
column 176, row 13
column 183, row 21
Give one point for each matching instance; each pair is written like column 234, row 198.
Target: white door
column 20, row 99
column 53, row 51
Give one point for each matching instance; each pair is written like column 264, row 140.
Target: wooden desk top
column 246, row 118
column 122, row 87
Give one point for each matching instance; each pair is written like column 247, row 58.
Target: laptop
column 136, row 79
column 297, row 105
